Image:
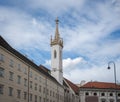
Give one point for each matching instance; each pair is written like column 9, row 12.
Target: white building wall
column 107, row 96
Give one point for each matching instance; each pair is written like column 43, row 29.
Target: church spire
column 56, row 55
column 57, row 39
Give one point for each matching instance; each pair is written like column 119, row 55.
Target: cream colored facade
column 17, row 75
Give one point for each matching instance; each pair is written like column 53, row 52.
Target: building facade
column 99, row 92
column 21, row 80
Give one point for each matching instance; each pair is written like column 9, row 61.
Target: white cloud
column 95, row 73
column 22, row 30
column 55, row 7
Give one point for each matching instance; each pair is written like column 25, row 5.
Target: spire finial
column 57, row 32
column 56, row 20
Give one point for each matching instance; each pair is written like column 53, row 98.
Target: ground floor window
column 1, row 88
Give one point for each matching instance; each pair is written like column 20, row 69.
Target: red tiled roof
column 100, row 85
column 73, row 86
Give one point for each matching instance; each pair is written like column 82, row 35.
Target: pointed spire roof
column 57, row 31
column 57, row 39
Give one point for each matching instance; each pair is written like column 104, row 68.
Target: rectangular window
column 25, row 82
column 43, row 99
column 30, row 97
column 1, row 57
column 19, row 79
column 30, row 74
column 31, row 84
column 18, row 93
column 39, row 88
column 50, row 92
column 35, row 77
column 35, row 86
column 11, row 76
column 40, row 99
column 40, row 79
column 1, row 72
column 19, row 67
column 1, row 88
column 44, row 90
column 25, row 71
column 10, row 91
column 25, row 95
column 11, row 63
column 35, row 98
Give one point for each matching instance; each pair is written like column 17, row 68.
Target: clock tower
column 56, row 55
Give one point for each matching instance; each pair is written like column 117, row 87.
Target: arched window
column 95, row 94
column 111, row 94
column 103, row 100
column 102, row 94
column 55, row 54
column 86, row 93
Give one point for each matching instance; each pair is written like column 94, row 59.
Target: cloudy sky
column 90, row 30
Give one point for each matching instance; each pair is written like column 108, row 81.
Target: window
column 39, row 88
column 35, row 86
column 95, row 94
column 18, row 93
column 1, row 88
column 53, row 94
column 19, row 79
column 31, row 84
column 35, row 98
column 1, row 72
column 1, row 57
column 25, row 95
column 11, row 63
column 103, row 100
column 39, row 99
column 30, row 74
column 111, row 100
column 44, row 90
column 118, row 94
column 25, row 82
column 43, row 99
column 25, row 71
column 30, row 97
column 111, row 94
column 102, row 94
column 50, row 92
column 55, row 54
column 10, row 91
column 86, row 93
column 40, row 79
column 19, row 67
column 11, row 76
column 35, row 77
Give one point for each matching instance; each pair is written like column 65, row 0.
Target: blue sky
column 90, row 30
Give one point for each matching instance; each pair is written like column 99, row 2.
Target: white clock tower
column 56, row 56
